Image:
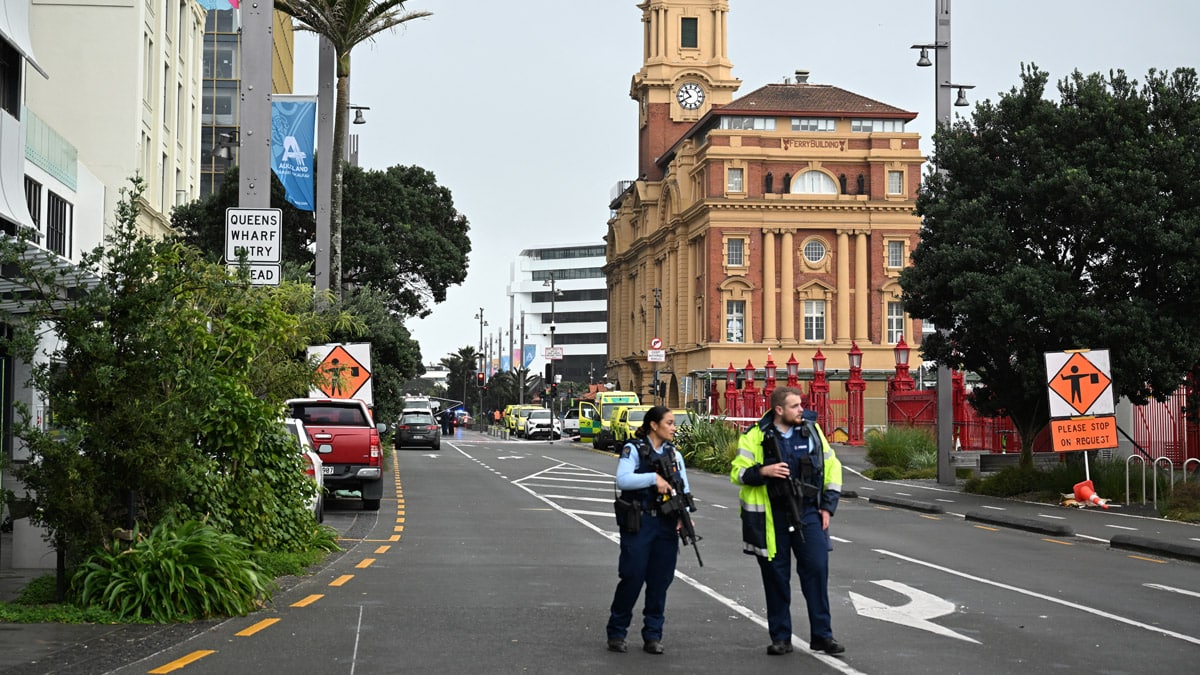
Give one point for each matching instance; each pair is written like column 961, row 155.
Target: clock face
column 690, row 96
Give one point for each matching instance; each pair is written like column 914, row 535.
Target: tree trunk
column 335, row 192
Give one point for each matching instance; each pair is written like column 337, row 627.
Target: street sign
column 261, row 274
column 1079, row 383
column 1084, row 433
column 656, row 356
column 344, row 371
column 554, row 353
column 255, row 231
column 656, row 343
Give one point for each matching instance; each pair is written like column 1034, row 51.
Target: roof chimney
column 801, row 77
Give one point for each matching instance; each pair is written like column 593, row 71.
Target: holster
column 629, row 515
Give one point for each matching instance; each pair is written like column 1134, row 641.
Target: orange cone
column 1086, row 492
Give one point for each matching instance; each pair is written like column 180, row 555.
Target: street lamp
column 855, row 387
column 903, row 381
column 818, row 389
column 479, row 358
column 793, row 368
column 552, row 384
column 943, row 85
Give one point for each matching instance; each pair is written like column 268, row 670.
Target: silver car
column 313, row 466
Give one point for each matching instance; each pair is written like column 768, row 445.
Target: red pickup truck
column 347, row 439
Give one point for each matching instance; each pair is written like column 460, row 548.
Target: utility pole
column 521, row 371
column 254, row 122
column 657, row 307
column 479, row 358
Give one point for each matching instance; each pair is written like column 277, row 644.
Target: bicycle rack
column 1171, row 479
column 1141, row 460
column 1185, row 467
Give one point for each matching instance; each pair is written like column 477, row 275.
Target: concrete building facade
column 778, row 220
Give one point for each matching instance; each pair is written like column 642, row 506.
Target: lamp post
column 351, row 150
column 818, row 389
column 749, row 392
column 769, row 380
column 479, row 359
column 521, row 371
column 731, row 406
column 793, row 368
column 657, row 307
column 942, row 88
column 552, row 384
column 854, row 397
column 903, row 381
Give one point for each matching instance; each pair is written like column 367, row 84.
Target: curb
column 1027, row 524
column 1133, row 542
column 905, row 503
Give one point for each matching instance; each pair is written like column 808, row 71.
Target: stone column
column 862, row 294
column 770, row 289
column 843, row 286
column 788, row 287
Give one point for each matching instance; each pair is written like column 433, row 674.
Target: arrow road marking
column 916, row 613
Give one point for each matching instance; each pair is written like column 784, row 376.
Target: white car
column 570, row 422
column 541, row 422
column 313, row 466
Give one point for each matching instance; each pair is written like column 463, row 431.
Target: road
column 500, row 556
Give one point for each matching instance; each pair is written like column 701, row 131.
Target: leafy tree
column 345, row 24
column 1063, row 225
column 165, row 382
column 201, row 224
column 395, row 356
column 460, row 380
column 403, row 236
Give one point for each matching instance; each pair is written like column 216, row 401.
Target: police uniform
column 648, row 554
column 765, row 521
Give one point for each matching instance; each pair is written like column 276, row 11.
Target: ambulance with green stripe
column 596, row 417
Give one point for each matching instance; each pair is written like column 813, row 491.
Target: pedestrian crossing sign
column 1079, row 383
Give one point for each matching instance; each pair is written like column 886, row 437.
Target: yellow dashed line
column 365, row 563
column 179, row 663
column 382, row 549
column 1153, row 560
column 400, row 520
column 308, row 601
column 930, row 517
column 247, row 632
column 394, row 537
column 341, row 581
column 882, row 508
column 1055, row 541
column 989, row 529
column 398, row 528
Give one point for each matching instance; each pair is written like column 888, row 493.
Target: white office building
column 577, row 310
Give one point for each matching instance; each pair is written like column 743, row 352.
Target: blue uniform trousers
column 647, row 558
column 812, row 566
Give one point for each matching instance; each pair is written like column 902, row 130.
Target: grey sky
column 498, row 99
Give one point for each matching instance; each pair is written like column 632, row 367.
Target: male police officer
column 785, row 456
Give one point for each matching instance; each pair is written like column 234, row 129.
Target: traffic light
column 479, row 379
column 553, row 390
column 662, row 388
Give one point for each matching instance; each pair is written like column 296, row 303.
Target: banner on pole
column 293, row 131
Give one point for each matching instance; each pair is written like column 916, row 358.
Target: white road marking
column 357, row 635
column 1047, row 515
column 717, row 506
column 995, row 508
column 1172, row 589
column 840, row 540
column 580, row 499
column 1121, row 527
column 1048, row 598
column 602, row 514
column 939, row 499
column 917, row 612
column 904, row 494
column 511, row 457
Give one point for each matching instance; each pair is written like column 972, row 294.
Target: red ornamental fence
column 1159, row 429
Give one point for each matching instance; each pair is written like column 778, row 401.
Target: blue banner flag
column 219, row 4
column 505, row 362
column 293, row 129
column 530, row 353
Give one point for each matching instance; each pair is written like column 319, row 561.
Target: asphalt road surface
column 500, row 556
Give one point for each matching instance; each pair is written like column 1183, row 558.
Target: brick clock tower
column 775, row 222
column 685, row 72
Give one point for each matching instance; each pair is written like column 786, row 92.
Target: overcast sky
column 522, row 109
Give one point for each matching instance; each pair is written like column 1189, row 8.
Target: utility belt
column 630, row 511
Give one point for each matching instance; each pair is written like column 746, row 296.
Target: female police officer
column 649, row 546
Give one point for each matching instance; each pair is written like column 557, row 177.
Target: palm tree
column 461, row 367
column 345, row 23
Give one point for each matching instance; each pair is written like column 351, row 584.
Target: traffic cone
column 1085, row 492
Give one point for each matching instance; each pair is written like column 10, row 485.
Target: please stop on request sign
column 1084, row 433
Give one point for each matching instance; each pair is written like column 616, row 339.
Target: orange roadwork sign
column 341, row 374
column 1084, row 433
column 1079, row 382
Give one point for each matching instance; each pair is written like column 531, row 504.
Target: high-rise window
column 734, row 257
column 736, row 181
column 895, row 253
column 895, row 322
column 895, row 182
column 814, row 320
column 689, row 33
column 12, row 64
column 735, row 320
column 59, row 217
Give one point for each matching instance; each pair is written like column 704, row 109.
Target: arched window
column 814, row 182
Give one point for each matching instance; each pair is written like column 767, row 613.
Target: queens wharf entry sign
column 256, row 232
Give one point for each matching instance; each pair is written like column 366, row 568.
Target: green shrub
column 1184, row 502
column 902, row 448
column 883, row 473
column 707, row 444
column 179, row 572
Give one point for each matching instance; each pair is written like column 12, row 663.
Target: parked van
column 595, row 417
